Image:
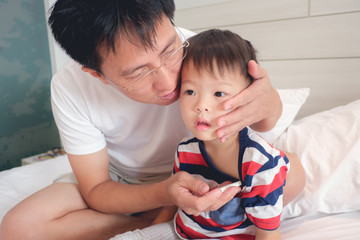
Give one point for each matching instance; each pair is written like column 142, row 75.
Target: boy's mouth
column 202, row 125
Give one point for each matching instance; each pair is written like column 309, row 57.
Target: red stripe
column 267, row 224
column 182, row 229
column 192, row 158
column 264, row 190
column 211, row 223
column 250, row 168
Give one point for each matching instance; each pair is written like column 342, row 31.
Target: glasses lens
column 171, row 61
column 175, row 58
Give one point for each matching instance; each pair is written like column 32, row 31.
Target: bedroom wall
column 26, row 122
column 301, row 43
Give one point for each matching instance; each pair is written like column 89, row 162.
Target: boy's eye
column 190, row 92
column 219, row 94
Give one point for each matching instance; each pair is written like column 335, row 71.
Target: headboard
column 301, row 43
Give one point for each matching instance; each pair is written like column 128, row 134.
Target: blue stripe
column 270, row 199
column 204, row 171
column 191, row 140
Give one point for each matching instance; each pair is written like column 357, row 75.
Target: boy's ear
column 95, row 74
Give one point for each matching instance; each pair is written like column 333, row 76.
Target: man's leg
column 59, row 212
column 295, row 180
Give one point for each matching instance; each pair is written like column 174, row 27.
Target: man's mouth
column 171, row 95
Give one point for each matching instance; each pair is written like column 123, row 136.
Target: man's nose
column 164, row 78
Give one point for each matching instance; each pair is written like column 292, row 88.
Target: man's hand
column 258, row 106
column 195, row 196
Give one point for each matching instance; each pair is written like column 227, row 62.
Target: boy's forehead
column 212, row 68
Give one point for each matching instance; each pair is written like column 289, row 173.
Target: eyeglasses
column 146, row 78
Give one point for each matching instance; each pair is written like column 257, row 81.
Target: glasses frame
column 184, row 46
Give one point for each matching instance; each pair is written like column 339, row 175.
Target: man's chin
column 168, row 102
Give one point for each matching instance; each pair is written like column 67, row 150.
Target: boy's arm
column 166, row 214
column 267, row 235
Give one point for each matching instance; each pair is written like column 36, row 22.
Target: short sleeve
column 78, row 134
column 264, row 171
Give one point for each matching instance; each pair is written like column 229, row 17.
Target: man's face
column 202, row 96
column 132, row 61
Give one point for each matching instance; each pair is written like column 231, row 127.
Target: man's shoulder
column 71, row 69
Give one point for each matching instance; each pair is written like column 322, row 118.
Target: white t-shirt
column 141, row 138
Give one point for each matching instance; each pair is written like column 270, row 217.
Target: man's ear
column 95, row 74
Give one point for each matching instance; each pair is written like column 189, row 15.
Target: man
column 117, row 113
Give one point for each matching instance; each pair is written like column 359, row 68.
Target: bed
column 327, row 142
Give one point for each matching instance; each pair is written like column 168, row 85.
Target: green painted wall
column 26, row 122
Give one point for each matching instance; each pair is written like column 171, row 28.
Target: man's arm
column 258, row 106
column 105, row 195
column 102, row 193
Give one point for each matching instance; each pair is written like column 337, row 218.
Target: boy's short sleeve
column 264, row 172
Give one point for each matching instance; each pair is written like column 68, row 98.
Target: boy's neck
column 224, row 155
column 216, row 145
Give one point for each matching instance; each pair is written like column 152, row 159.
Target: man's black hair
column 81, row 27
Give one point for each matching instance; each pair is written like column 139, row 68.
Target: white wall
column 58, row 57
column 301, row 43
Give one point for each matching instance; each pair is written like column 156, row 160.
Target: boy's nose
column 200, row 108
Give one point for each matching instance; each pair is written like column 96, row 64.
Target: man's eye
column 138, row 74
column 219, row 94
column 190, row 92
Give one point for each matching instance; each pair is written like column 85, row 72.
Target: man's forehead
column 147, row 39
column 129, row 48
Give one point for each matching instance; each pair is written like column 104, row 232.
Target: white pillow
column 292, row 100
column 328, row 145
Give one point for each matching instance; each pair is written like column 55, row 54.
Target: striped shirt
column 262, row 171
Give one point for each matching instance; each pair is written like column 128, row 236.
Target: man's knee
column 15, row 225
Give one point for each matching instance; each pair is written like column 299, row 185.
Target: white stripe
column 192, row 147
column 268, row 211
column 267, row 177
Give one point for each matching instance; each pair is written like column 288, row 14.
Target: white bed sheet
column 321, row 226
column 18, row 183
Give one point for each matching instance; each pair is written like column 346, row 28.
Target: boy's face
column 132, row 61
column 202, row 96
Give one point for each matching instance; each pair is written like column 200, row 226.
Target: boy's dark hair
column 226, row 49
column 82, row 26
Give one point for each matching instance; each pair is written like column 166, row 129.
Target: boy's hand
column 258, row 106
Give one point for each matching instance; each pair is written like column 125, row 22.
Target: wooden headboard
column 301, row 43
